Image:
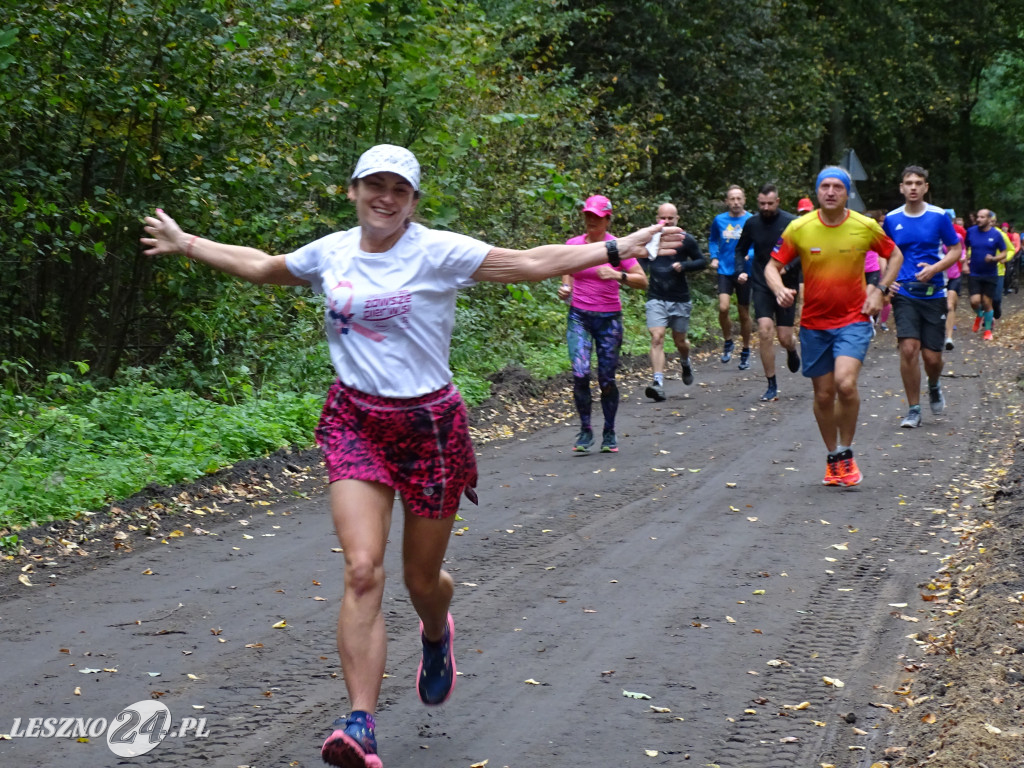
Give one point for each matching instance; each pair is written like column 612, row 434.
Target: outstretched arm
column 252, row 264
column 504, row 265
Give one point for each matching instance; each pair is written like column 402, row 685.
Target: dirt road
column 704, row 567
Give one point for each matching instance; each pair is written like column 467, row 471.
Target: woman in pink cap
column 393, row 421
column 595, row 320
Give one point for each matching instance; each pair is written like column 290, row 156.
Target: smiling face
column 832, row 194
column 384, row 202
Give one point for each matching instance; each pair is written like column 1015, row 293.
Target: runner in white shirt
column 393, row 421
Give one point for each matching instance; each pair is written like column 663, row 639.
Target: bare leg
column 847, row 371
column 837, row 402
column 910, row 369
column 825, row 408
column 657, row 349
column 724, row 322
column 362, row 520
column 430, row 588
column 745, row 324
column 682, row 344
column 932, row 364
column 766, row 344
column 951, row 301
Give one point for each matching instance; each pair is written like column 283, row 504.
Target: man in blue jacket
column 725, row 233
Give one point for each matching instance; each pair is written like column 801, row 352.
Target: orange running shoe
column 987, row 336
column 831, row 472
column 977, row 324
column 846, row 468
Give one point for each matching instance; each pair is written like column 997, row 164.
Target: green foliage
column 78, row 447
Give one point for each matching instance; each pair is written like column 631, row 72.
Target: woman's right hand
column 564, row 291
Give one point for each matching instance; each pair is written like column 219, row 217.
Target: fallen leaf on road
column 660, row 709
column 730, row 619
column 833, row 681
column 801, row 705
column 481, row 764
column 841, row 547
column 992, row 729
column 24, row 579
column 890, row 707
column 632, row 695
column 789, row 740
column 281, row 624
column 531, row 681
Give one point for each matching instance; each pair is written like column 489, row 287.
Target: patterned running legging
column 586, row 329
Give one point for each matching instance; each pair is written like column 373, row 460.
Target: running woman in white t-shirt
column 392, row 421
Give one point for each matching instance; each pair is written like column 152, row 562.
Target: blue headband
column 834, row 172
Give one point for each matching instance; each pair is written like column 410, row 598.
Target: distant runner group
column 848, row 268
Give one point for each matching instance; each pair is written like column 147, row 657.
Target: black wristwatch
column 884, row 289
column 622, row 276
column 613, row 252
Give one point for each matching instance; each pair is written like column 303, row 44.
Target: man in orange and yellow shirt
column 835, row 329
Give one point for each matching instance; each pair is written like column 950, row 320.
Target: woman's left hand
column 606, row 272
column 632, row 246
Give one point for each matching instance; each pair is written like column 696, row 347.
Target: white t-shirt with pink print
column 389, row 316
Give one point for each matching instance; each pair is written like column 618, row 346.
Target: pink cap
column 804, row 205
column 599, row 205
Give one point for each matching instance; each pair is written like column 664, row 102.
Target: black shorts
column 730, row 284
column 953, row 285
column 923, row 319
column 984, row 286
column 871, row 278
column 765, row 305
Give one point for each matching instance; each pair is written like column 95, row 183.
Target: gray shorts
column 669, row 314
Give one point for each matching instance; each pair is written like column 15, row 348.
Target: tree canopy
column 243, row 118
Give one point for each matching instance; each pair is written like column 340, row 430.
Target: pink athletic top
column 871, row 262
column 954, row 271
column 590, row 292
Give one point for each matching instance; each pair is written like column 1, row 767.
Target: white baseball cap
column 388, row 158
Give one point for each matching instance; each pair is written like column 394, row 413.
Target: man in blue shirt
column 725, row 232
column 985, row 249
column 919, row 302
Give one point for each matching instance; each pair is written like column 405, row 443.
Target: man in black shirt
column 668, row 301
column 762, row 232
